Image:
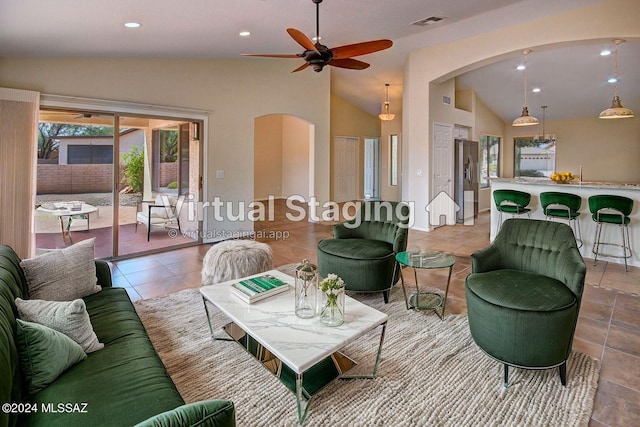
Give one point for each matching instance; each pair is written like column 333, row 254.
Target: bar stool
column 614, row 210
column 513, row 202
column 564, row 206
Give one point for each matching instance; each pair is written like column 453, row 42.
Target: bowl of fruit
column 562, row 177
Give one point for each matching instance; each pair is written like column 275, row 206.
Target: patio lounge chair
column 163, row 212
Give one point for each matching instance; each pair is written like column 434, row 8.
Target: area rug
column 431, row 374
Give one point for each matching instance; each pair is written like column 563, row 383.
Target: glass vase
column 306, row 289
column 332, row 313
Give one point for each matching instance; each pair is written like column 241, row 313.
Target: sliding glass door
column 126, row 180
column 157, row 158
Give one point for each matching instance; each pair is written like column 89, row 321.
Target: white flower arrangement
column 332, row 314
column 331, row 284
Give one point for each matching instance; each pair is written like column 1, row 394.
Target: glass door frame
column 120, row 109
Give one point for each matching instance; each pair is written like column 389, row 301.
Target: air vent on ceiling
column 427, row 21
column 446, row 100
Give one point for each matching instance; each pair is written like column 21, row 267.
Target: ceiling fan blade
column 302, row 40
column 267, row 55
column 302, row 67
column 352, row 64
column 357, row 49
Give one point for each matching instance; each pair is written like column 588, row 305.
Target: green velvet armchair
column 523, row 295
column 363, row 250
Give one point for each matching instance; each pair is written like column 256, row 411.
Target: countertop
column 574, row 183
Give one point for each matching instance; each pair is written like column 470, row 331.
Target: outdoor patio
column 49, row 233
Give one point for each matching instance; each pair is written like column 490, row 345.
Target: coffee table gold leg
column 302, row 404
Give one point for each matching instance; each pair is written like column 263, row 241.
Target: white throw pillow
column 68, row 317
column 62, row 274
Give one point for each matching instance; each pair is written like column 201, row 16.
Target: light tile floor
column 608, row 328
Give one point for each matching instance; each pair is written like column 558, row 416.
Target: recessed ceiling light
column 612, row 80
column 520, row 67
column 132, row 24
column 605, row 52
column 244, row 33
column 535, row 90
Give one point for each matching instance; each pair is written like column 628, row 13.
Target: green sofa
column 523, row 295
column 363, row 250
column 123, row 384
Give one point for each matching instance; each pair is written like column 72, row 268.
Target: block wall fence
column 74, row 179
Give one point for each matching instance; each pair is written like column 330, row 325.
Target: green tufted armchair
column 524, row 293
column 363, row 250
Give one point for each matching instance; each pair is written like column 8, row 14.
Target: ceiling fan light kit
column 386, row 115
column 317, row 55
column 616, row 111
column 525, row 119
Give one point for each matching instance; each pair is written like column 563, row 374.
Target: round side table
column 426, row 260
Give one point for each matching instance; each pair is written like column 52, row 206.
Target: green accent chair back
column 524, row 293
column 611, row 210
column 363, row 250
column 563, row 206
column 513, row 202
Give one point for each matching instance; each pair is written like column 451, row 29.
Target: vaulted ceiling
column 572, row 80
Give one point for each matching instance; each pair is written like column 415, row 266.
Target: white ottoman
column 233, row 259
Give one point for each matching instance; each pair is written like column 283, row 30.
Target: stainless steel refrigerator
column 466, row 180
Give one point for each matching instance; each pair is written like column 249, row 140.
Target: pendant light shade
column 386, row 114
column 616, row 111
column 525, row 119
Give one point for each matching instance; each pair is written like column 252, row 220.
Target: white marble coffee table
column 305, row 348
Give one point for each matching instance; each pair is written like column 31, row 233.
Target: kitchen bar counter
column 587, row 225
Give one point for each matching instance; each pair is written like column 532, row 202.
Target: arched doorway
column 283, row 157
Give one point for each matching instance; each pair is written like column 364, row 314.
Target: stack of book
column 258, row 288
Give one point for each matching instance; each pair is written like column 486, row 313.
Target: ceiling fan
column 317, row 55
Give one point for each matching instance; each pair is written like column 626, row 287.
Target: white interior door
column 371, row 165
column 442, row 159
column 443, row 169
column 345, row 165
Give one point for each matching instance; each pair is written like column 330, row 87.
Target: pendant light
column 525, row 119
column 544, row 139
column 385, row 116
column 616, row 111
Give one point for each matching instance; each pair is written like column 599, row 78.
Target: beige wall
column 281, row 157
column 295, row 157
column 234, row 91
column 601, row 21
column 608, row 150
column 349, row 120
column 267, row 155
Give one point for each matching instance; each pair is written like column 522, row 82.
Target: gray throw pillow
column 68, row 317
column 62, row 274
column 44, row 354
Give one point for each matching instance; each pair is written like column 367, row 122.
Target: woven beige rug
column 431, row 374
